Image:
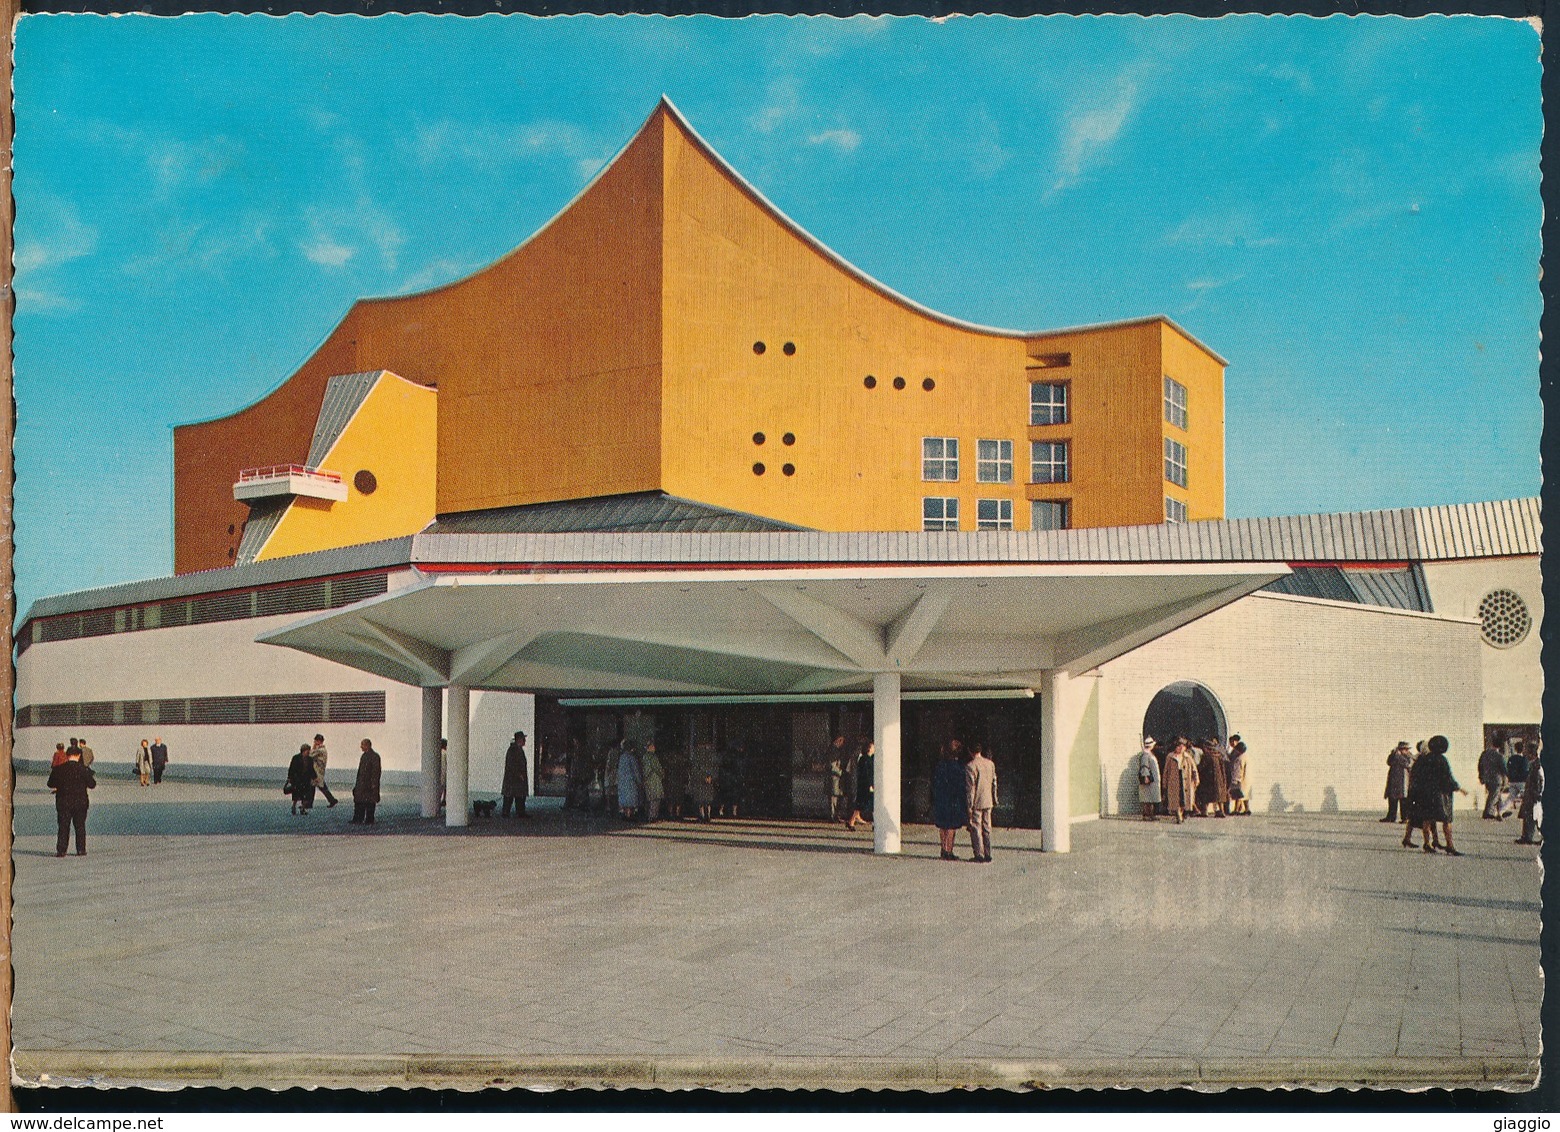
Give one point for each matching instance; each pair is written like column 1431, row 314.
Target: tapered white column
column 1055, row 768
column 432, row 732
column 456, row 802
column 885, row 770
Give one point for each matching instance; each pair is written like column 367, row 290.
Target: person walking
column 300, row 780
column 835, row 774
column 143, row 762
column 321, row 757
column 980, row 792
column 365, row 790
column 517, row 777
column 630, row 781
column 950, row 804
column 1492, row 776
column 1399, row 759
column 1148, row 780
column 1240, row 803
column 655, row 782
column 70, row 782
column 863, row 807
column 1532, row 790
column 159, row 759
column 1432, row 779
column 1213, row 787
column 703, row 765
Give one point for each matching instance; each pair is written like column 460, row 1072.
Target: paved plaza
column 210, row 937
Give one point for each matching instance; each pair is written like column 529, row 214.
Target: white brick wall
column 1320, row 692
column 1513, row 677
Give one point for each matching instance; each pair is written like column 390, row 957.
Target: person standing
column 143, row 762
column 862, row 810
column 655, row 782
column 1148, row 779
column 980, row 792
column 950, row 806
column 300, row 780
column 365, row 790
column 1175, row 797
column 835, row 773
column 1433, row 780
column 1213, row 787
column 1532, row 790
column 159, row 759
column 703, row 765
column 1398, row 761
column 1492, row 776
column 70, row 782
column 320, row 757
column 1188, row 762
column 1239, row 802
column 60, row 755
column 86, row 753
column 630, row 781
column 517, row 780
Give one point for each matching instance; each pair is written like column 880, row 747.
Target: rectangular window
column 1175, row 462
column 1047, row 402
column 940, row 459
column 939, row 514
column 993, row 514
column 1048, row 461
column 1175, row 402
column 994, row 461
column 1175, row 510
column 1049, row 515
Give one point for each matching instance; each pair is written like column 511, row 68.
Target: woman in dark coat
column 1431, row 787
column 864, row 794
column 300, row 780
column 365, row 790
column 950, row 810
column 1213, row 786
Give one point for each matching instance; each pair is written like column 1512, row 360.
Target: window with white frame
column 940, row 459
column 994, row 514
column 1175, row 462
column 1175, row 402
column 1047, row 402
column 938, row 514
column 994, row 461
column 1175, row 510
column 1048, row 461
column 1049, row 514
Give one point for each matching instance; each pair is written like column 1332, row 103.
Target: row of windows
column 304, row 707
column 298, row 597
column 942, row 514
column 1048, row 461
column 1048, row 403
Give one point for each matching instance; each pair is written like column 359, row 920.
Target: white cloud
column 487, row 145
column 62, row 238
column 327, row 252
column 338, row 234
column 1090, row 131
column 842, row 139
column 781, row 104
column 1228, row 230
column 204, row 246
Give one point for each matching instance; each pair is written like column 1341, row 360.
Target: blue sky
column 1346, row 209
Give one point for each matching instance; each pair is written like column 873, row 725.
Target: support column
column 432, row 732
column 1055, row 768
column 885, row 771
column 456, row 801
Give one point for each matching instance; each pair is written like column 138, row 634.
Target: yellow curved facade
column 617, row 351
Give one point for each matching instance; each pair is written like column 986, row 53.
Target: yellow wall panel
column 1203, row 377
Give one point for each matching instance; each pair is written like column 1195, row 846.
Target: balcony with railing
column 289, row 479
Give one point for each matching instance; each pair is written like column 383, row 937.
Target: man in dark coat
column 1492, row 776
column 1399, row 760
column 1213, row 787
column 159, row 760
column 517, row 780
column 365, row 791
column 70, row 782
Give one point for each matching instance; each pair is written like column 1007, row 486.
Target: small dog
column 481, row 809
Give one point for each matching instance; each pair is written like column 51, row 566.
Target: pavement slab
column 209, row 935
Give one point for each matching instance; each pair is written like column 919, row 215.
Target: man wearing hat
column 517, row 783
column 1398, row 762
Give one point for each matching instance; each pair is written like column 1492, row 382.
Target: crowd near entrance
column 1186, row 709
column 773, row 760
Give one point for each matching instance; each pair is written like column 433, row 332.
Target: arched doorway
column 1185, row 708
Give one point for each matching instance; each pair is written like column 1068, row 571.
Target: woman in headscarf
column 1213, row 787
column 949, row 811
column 1148, row 779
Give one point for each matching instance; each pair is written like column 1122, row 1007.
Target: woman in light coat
column 1149, row 792
column 630, row 782
column 655, row 782
column 143, row 763
column 1240, row 802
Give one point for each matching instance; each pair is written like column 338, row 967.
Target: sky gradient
column 1346, row 209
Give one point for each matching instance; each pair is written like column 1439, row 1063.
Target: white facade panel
column 1320, row 692
column 1514, row 676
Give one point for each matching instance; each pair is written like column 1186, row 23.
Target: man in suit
column 1492, row 776
column 517, row 784
column 70, row 782
column 365, row 791
column 980, row 780
column 159, row 759
column 319, row 755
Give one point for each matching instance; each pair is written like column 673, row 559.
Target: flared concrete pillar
column 432, row 732
column 1055, row 767
column 885, row 771
column 456, row 801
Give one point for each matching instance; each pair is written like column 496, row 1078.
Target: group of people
column 1513, row 783
column 646, row 786
column 1199, row 780
column 1420, row 785
column 964, row 792
column 306, row 777
column 850, row 782
column 151, row 759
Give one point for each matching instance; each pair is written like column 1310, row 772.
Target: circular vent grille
column 1505, row 618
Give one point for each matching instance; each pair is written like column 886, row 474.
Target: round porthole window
column 1504, row 618
column 899, row 383
column 758, row 347
column 788, row 438
column 869, row 381
column 758, row 469
column 758, row 438
column 789, row 469
column 365, row 482
column 928, row 385
column 788, row 349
